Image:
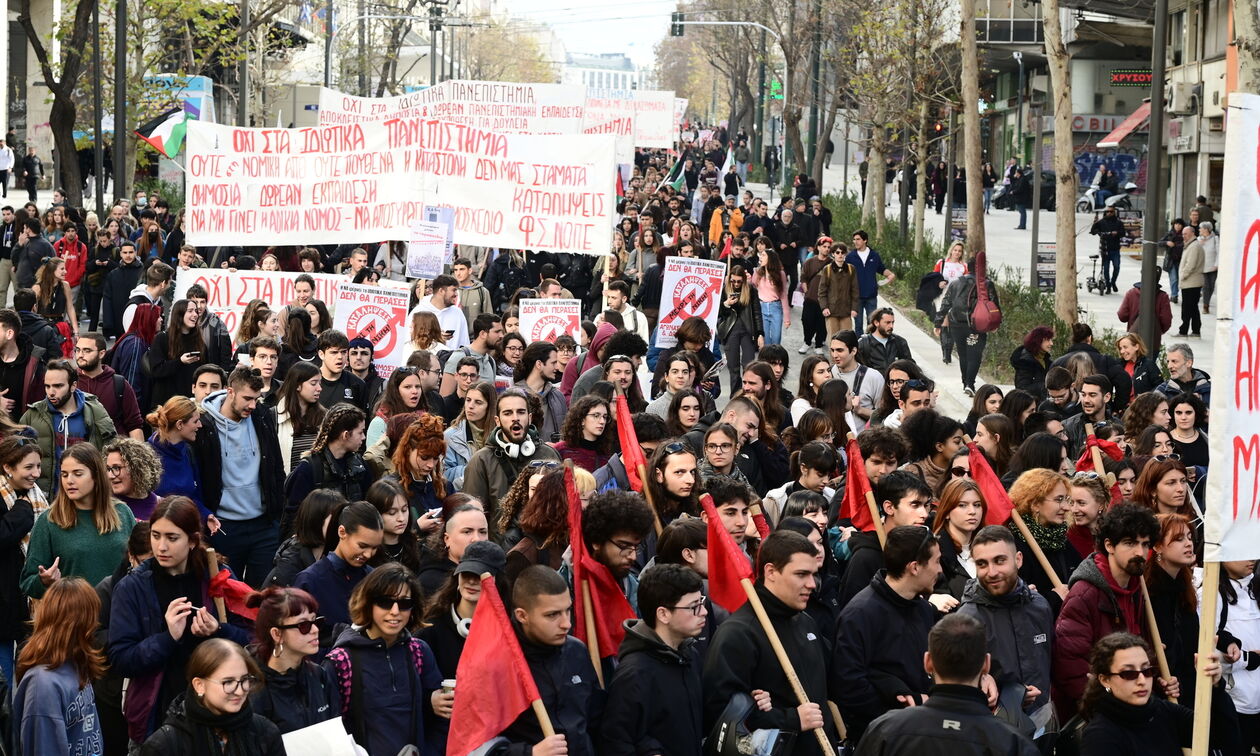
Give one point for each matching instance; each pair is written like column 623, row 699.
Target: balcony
column 1009, row 31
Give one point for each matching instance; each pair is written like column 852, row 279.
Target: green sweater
column 84, row 552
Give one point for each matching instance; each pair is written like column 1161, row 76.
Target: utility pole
column 1019, row 111
column 98, row 135
column 328, row 41
column 760, row 128
column 435, row 26
column 815, row 74
column 1035, row 117
column 1153, row 223
column 905, row 129
column 120, row 99
column 949, row 180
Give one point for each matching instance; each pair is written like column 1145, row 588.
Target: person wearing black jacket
column 297, row 692
column 18, row 474
column 956, row 719
column 1109, row 230
column 789, row 237
column 876, row 664
column 904, row 501
column 741, row 659
column 654, row 696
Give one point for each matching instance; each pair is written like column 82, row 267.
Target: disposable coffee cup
column 448, row 687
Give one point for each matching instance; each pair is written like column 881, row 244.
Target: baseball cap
column 482, row 556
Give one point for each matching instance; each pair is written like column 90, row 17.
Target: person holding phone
column 176, row 354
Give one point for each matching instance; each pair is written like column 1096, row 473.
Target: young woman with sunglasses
column 391, row 676
column 161, row 611
column 215, row 714
column 355, row 532
column 959, row 514
column 1123, row 716
column 297, row 692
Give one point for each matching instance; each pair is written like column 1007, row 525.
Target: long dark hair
column 773, row 269
column 298, row 338
column 391, row 402
column 572, row 432
column 1100, row 665
column 177, row 341
column 183, row 514
column 305, row 420
column 381, row 495
column 772, row 405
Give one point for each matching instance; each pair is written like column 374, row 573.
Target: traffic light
column 676, row 26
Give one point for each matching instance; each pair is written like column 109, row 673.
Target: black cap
column 482, row 556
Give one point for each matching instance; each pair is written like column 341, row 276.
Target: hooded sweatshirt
column 587, row 361
column 238, row 443
column 654, row 698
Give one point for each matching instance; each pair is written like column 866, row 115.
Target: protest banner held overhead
column 426, row 246
column 509, row 107
column 378, row 315
column 339, row 184
column 231, row 290
column 690, row 287
column 545, row 319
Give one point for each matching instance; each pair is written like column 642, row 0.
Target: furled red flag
column 727, row 563
column 1109, row 449
column 233, row 593
column 759, row 522
column 726, row 249
column 621, row 185
column 854, row 508
column 608, row 604
column 631, row 452
column 493, row 683
column 997, row 503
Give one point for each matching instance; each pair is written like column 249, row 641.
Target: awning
column 1127, row 126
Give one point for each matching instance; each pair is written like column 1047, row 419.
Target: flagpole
column 1156, row 641
column 647, row 495
column 1107, row 478
column 592, row 637
column 212, row 568
column 788, row 670
column 544, row 721
column 874, row 507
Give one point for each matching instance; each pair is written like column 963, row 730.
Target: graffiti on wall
column 1127, row 163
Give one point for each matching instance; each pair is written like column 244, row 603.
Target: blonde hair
column 1033, row 486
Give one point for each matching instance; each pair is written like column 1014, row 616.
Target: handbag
column 986, row 316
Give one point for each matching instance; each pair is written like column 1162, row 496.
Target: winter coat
column 207, row 450
column 291, row 558
column 879, row 653
column 1092, row 610
column 554, row 408
column 491, row 472
column 587, row 360
column 838, row 289
column 180, row 474
column 1019, row 634
column 740, row 659
column 1159, row 728
column 1109, row 230
column 116, row 290
column 1030, row 371
column 1200, row 383
column 140, row 644
column 458, row 451
column 42, row 333
column 331, row 581
column 303, row 696
column 866, row 558
column 348, row 475
column 749, row 316
column 179, row 736
column 15, row 522
column 26, row 374
column 569, row 690
column 1191, row 267
column 1063, row 561
column 53, row 440
column 168, row 374
column 1146, row 375
column 955, row 721
column 654, row 698
column 1178, row 626
column 879, row 356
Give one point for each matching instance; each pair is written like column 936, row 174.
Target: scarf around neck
column 1048, row 537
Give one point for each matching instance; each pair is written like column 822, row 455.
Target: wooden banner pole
column 592, row 637
column 1161, row 657
column 1036, row 548
column 647, row 495
column 1207, row 644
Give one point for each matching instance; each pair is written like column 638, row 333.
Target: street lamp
column 1019, row 114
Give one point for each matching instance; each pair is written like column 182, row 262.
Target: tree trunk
column 971, row 129
column 874, row 179
column 880, row 185
column 1247, row 39
column 920, row 181
column 1064, row 169
column 824, row 133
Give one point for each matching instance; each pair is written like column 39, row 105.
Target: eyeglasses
column 625, row 548
column 1132, row 674
column 1058, row 499
column 302, row 627
column 387, row 603
column 1087, row 475
column 959, row 472
column 928, row 537
column 231, row 686
column 897, row 381
column 114, row 469
column 597, row 416
column 718, row 447
column 469, row 376
column 695, row 608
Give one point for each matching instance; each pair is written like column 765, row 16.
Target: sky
column 585, row 26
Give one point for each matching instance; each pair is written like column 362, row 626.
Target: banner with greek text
column 378, row 315
column 545, row 319
column 1232, row 503
column 341, row 184
column 230, row 291
column 690, row 287
column 490, row 105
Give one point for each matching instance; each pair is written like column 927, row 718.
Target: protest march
column 473, row 421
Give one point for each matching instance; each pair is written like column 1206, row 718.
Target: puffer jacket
column 291, row 558
column 1019, row 634
column 955, row 721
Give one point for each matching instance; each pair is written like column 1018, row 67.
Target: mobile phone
column 195, row 355
column 434, row 513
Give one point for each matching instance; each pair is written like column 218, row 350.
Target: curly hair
column 1032, row 342
column 1033, row 486
column 1141, row 413
column 613, row 512
column 517, row 496
column 546, row 514
column 571, row 431
column 1098, row 490
column 425, row 435
column 142, row 462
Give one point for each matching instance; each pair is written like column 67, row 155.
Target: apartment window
column 1177, row 38
column 1215, row 31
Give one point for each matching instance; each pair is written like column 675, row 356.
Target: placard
column 508, row 107
column 545, row 319
column 230, row 291
column 341, row 184
column 1232, row 503
column 426, row 246
column 446, row 217
column 1047, row 265
column 378, row 315
column 690, row 287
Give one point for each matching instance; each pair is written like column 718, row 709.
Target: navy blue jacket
column 301, row 697
column 330, row 581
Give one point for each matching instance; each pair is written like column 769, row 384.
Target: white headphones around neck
column 514, row 451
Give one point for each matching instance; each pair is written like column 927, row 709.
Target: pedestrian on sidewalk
column 1191, row 275
column 1173, row 246
column 1130, row 312
column 951, row 266
column 1021, row 193
column 869, row 266
column 1211, row 244
column 838, row 291
column 955, row 314
column 812, row 317
column 1109, row 229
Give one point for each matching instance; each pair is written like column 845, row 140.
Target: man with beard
column 538, row 371
column 487, row 332
column 109, row 388
column 880, row 347
column 1104, row 597
column 512, row 445
column 1095, row 398
column 1018, row 622
column 65, row 417
column 614, row 525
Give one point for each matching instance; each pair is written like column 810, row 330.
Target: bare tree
column 1064, row 169
column 1247, row 40
column 971, row 128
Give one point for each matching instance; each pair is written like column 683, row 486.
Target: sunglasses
column 547, row 463
column 387, row 603
column 959, row 472
column 1165, row 457
column 676, row 447
column 1133, row 674
column 302, row 627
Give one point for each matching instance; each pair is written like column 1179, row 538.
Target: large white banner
column 644, row 118
column 378, row 315
column 491, row 105
column 371, row 180
column 690, row 287
column 229, row 291
column 1232, row 503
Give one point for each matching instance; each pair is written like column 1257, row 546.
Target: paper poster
column 680, row 111
column 378, row 315
column 328, row 738
column 426, row 247
column 230, row 291
column 690, row 288
column 1232, row 503
column 446, row 217
column 545, row 319
column 509, row 107
column 340, row 184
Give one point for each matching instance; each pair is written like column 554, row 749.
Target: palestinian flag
column 676, row 178
column 166, row 132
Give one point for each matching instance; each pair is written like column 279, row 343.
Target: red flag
column 493, row 683
column 726, row 250
column 631, row 452
column 621, row 185
column 233, row 593
column 1109, row 449
column 727, row 563
column 608, row 604
column 997, row 503
column 759, row 522
column 857, row 485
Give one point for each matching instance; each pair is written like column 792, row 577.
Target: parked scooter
column 1120, row 200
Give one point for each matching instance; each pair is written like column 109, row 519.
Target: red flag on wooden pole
column 727, row 563
column 631, row 453
column 997, row 503
column 608, row 607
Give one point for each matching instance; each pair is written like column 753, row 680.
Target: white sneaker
column 803, row 350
